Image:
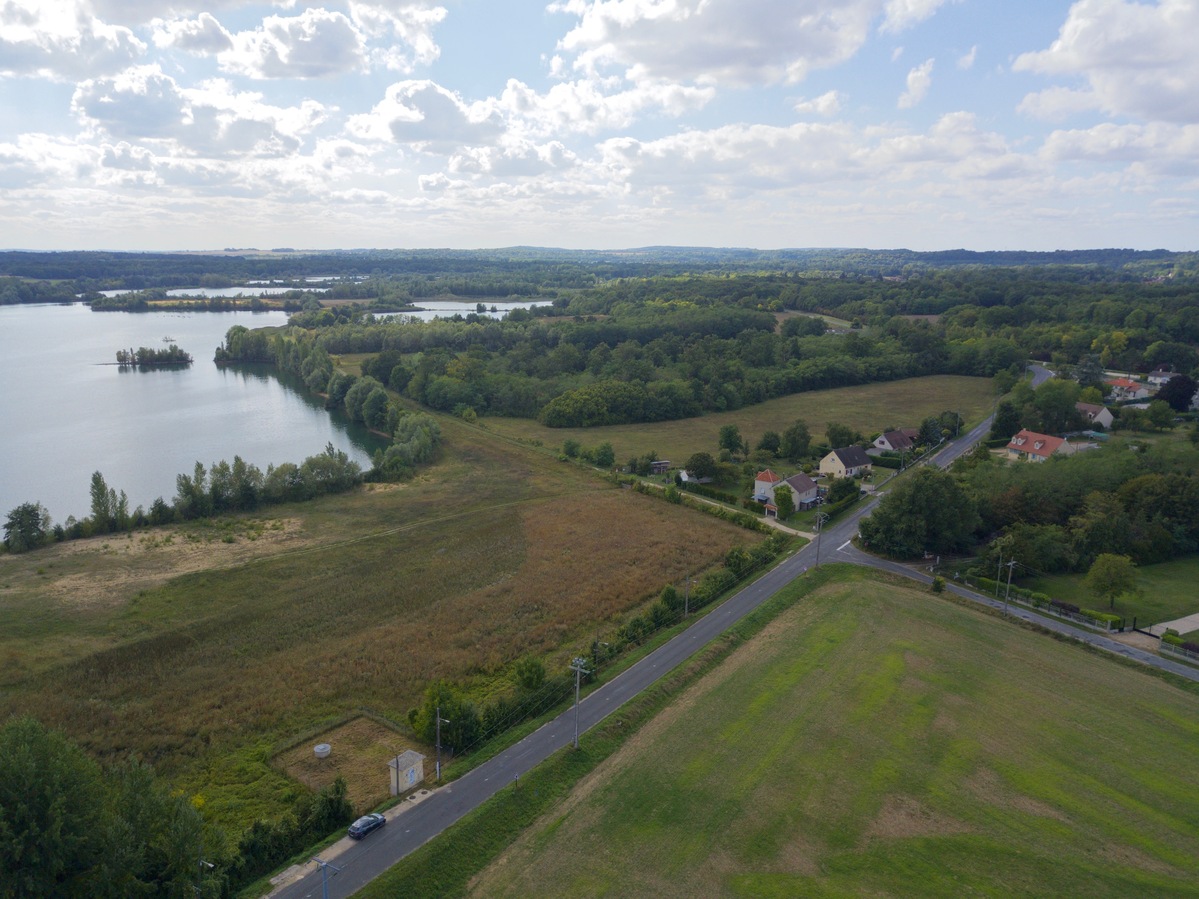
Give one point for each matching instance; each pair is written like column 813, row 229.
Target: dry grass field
column 868, row 408
column 200, row 647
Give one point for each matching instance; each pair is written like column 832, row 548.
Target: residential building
column 846, row 462
column 900, row 440
column 1029, row 446
column 1095, row 414
column 1126, row 389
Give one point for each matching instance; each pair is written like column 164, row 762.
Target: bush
column 1102, row 617
column 1062, row 606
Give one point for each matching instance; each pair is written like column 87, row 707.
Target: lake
column 67, row 412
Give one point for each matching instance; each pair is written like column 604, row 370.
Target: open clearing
column 1165, row 591
column 201, row 647
column 874, row 740
column 868, row 408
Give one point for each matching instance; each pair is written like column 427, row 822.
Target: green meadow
column 875, row 740
column 1165, row 591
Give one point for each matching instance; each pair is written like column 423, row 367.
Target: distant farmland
column 873, row 740
column 868, row 408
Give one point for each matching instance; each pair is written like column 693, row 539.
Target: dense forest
column 666, row 347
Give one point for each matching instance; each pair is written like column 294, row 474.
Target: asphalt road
column 417, row 824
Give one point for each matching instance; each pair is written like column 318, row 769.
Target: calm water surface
column 65, row 412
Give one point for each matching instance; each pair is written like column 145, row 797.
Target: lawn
column 872, row 740
column 1166, row 591
column 203, row 647
column 867, row 408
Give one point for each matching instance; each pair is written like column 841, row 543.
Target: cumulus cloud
column 203, row 34
column 920, row 79
column 61, row 41
column 590, row 105
column 407, row 32
column 523, row 160
column 313, row 44
column 827, row 104
column 966, row 60
column 734, row 42
column 1159, row 148
column 1137, row 58
column 429, row 117
column 901, row 14
column 144, row 104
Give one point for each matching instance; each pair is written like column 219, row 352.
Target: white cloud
column 525, row 160
column 827, row 104
column 920, row 79
column 901, row 14
column 733, row 42
column 203, row 34
column 590, row 106
column 966, row 60
column 1057, row 103
column 1138, row 59
column 407, row 32
column 61, row 41
column 143, row 104
column 426, row 115
column 314, row 44
column 1159, row 148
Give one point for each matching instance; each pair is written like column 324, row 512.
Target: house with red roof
column 1126, row 389
column 1029, row 446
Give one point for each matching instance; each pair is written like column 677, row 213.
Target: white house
column 1160, row 376
column 1126, row 389
column 1029, row 446
column 1095, row 414
column 899, row 440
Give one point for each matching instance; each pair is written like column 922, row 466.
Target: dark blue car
column 365, row 825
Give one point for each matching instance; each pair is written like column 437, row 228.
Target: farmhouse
column 659, row 466
column 900, row 440
column 1029, row 446
column 846, row 462
column 1095, row 414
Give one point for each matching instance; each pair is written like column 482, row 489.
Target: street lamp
column 201, row 864
column 821, row 518
column 440, row 721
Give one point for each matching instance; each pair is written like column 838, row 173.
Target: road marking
column 843, row 545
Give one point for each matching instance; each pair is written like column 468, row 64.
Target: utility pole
column 440, row 721
column 201, row 864
column 821, row 518
column 999, row 574
column 1008, row 592
column 325, row 866
column 579, row 666
column 687, row 597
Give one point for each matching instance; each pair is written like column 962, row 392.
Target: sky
column 599, row 124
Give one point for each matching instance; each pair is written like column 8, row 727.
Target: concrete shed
column 407, row 770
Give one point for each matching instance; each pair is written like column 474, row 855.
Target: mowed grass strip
column 1165, row 591
column 868, row 408
column 875, row 740
column 495, row 553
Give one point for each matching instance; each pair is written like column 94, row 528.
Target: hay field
column 873, row 740
column 868, row 408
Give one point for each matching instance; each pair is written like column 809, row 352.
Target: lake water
column 65, row 412
column 431, row 309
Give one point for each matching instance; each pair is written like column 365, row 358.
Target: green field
column 873, row 740
column 1166, row 591
column 868, row 408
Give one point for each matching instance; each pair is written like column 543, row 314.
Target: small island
column 147, row 357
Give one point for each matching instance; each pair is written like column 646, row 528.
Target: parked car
column 365, row 825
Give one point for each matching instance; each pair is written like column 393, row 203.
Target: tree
column 842, row 488
column 529, row 674
column 604, row 456
column 796, row 441
column 730, row 439
column 1111, row 575
column 771, row 442
column 702, row 465
column 102, row 503
column 840, row 435
column 784, row 499
column 1178, row 392
column 930, row 432
column 1006, row 422
column 26, row 527
column 1160, row 415
column 1089, row 373
column 930, row 512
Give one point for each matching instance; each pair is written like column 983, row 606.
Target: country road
column 413, row 825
